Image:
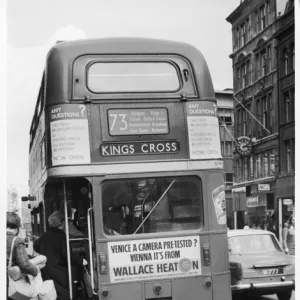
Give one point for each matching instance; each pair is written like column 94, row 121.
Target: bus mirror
column 24, row 199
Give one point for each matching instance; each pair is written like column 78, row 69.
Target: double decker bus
column 125, row 141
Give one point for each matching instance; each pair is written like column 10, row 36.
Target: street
column 271, row 297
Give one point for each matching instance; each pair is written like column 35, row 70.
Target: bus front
column 134, row 160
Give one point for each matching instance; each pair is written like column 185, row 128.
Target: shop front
column 256, row 206
column 286, row 200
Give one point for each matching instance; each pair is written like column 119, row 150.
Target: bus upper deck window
column 132, row 77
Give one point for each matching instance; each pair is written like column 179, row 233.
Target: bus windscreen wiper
column 150, row 212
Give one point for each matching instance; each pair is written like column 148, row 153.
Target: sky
column 33, row 26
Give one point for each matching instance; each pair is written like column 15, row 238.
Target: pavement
column 271, row 297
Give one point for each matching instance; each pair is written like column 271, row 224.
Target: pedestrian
column 288, row 237
column 255, row 224
column 19, row 254
column 272, row 226
column 53, row 245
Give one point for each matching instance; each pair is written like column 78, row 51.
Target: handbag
column 47, row 291
column 15, row 273
column 25, row 288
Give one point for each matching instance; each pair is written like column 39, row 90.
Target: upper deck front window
column 132, row 77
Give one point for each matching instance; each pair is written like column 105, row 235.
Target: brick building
column 285, row 37
column 226, row 121
column 257, row 159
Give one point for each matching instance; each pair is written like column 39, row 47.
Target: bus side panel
column 221, row 287
column 219, row 253
column 191, row 289
column 215, row 182
column 128, row 290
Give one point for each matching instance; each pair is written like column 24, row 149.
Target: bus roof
column 62, row 56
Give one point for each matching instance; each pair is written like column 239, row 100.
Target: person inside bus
column 73, row 230
column 53, row 245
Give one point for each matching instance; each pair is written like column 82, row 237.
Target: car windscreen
column 157, row 204
column 252, row 243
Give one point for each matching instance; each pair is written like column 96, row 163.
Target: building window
column 293, row 57
column 272, row 162
column 246, row 169
column 238, row 127
column 239, row 171
column 261, row 173
column 292, row 104
column 244, row 75
column 244, row 115
column 269, row 107
column 287, row 103
column 243, row 32
column 263, row 61
column 251, row 167
column 249, row 120
column 226, row 120
column 269, row 20
column 258, row 116
column 266, row 164
column 265, row 116
column 248, row 79
column 228, row 179
column 240, row 37
column 257, row 22
column 227, row 149
column 248, row 28
column 286, row 61
column 237, row 37
column 269, row 63
column 288, row 153
column 257, row 67
column 262, row 17
column 238, row 78
column 257, row 166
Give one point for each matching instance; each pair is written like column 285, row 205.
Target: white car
column 258, row 265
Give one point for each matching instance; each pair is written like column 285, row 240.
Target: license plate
column 268, row 272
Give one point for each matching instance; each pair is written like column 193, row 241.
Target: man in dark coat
column 53, row 245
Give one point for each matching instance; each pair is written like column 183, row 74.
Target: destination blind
column 138, row 121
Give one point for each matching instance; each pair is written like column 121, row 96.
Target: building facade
column 226, row 122
column 256, row 161
column 285, row 37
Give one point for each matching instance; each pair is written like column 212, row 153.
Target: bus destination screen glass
column 135, row 77
column 151, row 205
column 138, row 121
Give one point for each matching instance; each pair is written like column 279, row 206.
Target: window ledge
column 287, row 75
column 254, row 181
column 282, row 175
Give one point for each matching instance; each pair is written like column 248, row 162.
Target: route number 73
column 118, row 118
